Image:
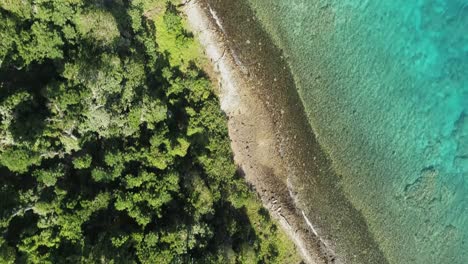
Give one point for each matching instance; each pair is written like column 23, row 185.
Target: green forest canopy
column 113, row 148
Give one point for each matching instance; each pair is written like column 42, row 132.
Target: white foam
column 309, row 224
column 217, row 20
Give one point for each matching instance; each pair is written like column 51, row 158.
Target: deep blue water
column 385, row 87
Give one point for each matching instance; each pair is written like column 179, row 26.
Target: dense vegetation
column 112, row 145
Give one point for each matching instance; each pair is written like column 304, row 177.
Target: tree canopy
column 113, row 148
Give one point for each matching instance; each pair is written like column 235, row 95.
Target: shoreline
column 257, row 148
column 272, row 139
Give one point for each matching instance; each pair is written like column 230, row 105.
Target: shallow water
column 385, row 88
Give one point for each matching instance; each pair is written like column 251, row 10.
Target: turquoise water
column 385, row 87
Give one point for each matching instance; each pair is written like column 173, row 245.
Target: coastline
column 252, row 132
column 272, row 140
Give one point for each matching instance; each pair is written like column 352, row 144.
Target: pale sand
column 251, row 129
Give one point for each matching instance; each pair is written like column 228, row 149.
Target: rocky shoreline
column 255, row 130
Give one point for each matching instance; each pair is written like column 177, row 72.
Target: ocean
column 384, row 85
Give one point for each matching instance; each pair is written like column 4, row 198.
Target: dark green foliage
column 108, row 152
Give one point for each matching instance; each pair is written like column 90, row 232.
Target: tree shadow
column 29, row 121
column 29, row 117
